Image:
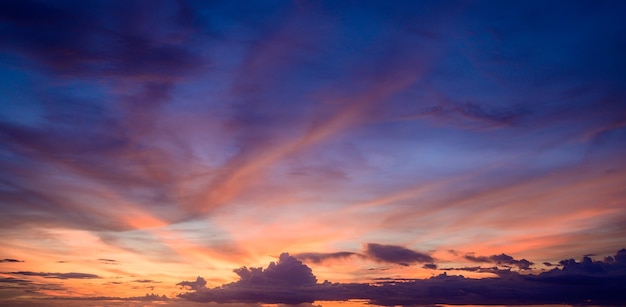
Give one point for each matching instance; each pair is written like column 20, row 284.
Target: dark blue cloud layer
column 290, row 281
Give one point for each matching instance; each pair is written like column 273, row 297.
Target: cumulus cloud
column 502, row 259
column 287, row 272
column 71, row 275
column 395, row 254
column 285, row 281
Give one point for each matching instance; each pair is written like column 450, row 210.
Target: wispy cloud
column 56, row 275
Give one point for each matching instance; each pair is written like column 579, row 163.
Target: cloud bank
column 290, row 281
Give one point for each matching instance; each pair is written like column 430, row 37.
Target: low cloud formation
column 502, row 259
column 10, row 260
column 395, row 254
column 321, row 257
column 286, row 281
column 71, row 275
column 290, row 281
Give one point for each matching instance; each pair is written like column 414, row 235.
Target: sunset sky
column 146, row 143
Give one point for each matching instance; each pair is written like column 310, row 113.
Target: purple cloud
column 198, row 284
column 502, row 259
column 395, row 254
column 321, row 257
column 290, row 281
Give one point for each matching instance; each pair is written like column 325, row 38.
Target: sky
column 258, row 151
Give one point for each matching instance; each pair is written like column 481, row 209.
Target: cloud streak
column 71, row 275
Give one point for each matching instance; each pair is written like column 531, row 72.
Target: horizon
column 245, row 152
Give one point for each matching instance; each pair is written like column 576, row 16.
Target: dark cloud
column 11, row 287
column 287, row 272
column 479, row 269
column 198, row 284
column 10, row 260
column 473, row 258
column 108, row 261
column 584, row 282
column 14, row 280
column 71, row 275
column 78, row 40
column 430, row 266
column 321, row 257
column 395, row 254
column 502, row 259
column 285, row 281
column 148, row 281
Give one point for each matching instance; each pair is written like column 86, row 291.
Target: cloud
column 15, row 287
column 199, row 284
column 321, row 257
column 285, row 281
column 430, row 266
column 56, row 275
column 147, row 281
column 395, row 254
column 78, row 41
column 287, row 272
column 585, row 282
column 14, row 280
column 502, row 259
column 10, row 260
column 108, row 261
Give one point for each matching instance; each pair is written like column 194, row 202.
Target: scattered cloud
column 10, row 260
